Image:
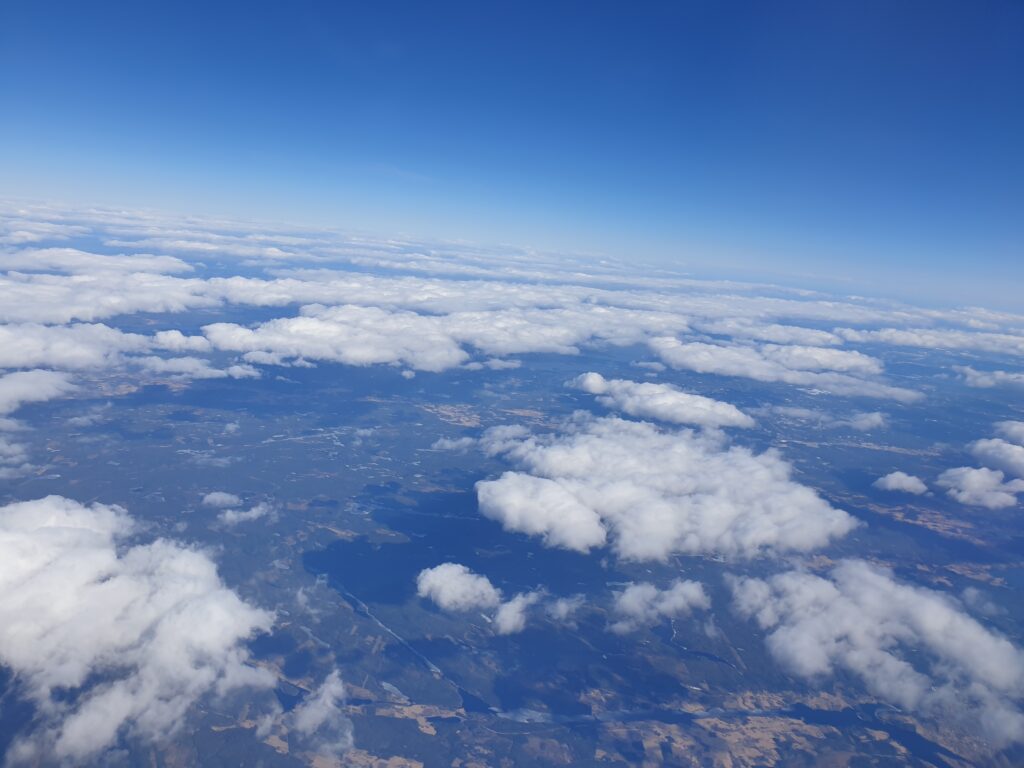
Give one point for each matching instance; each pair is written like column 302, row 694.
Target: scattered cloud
column 828, row 370
column 74, row 347
column 348, row 334
column 911, row 646
column 564, row 609
column 661, row 401
column 988, row 379
column 221, row 499
column 1000, row 454
column 231, row 517
column 21, row 387
column 651, row 492
column 901, row 481
column 780, row 334
column 453, row 587
column 318, row 725
column 1012, row 431
column 643, row 604
column 861, row 421
column 511, row 615
column 981, row 487
column 110, row 640
column 194, row 368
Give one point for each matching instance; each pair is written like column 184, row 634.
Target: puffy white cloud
column 901, row 481
column 318, row 724
column 221, row 499
column 652, row 492
column 911, row 646
column 347, row 334
column 235, row 516
column 72, row 347
column 988, row 379
column 981, row 487
column 661, row 401
column 139, row 633
column 1012, row 431
column 22, row 387
column 367, row 335
column 176, row 341
column 642, row 604
column 1000, row 454
column 45, row 298
column 816, row 367
column 800, row 358
column 510, row 617
column 538, row 506
column 453, row 587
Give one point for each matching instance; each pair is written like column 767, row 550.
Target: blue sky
column 866, row 144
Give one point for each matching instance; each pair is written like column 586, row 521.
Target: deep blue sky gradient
column 878, row 143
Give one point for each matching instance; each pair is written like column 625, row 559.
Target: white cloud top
column 453, row 587
column 642, row 604
column 982, row 487
column 1000, row 454
column 913, row 647
column 901, row 481
column 1012, row 431
column 145, row 631
column 221, row 499
column 828, row 370
column 21, row 387
column 652, row 492
column 511, row 615
column 661, row 401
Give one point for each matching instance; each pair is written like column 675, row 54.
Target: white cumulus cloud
column 22, row 387
column 642, row 604
column 901, row 481
column 982, row 487
column 453, row 587
column 913, row 647
column 829, row 370
column 221, row 499
column 1000, row 454
column 651, row 492
column 661, row 401
column 140, row 633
